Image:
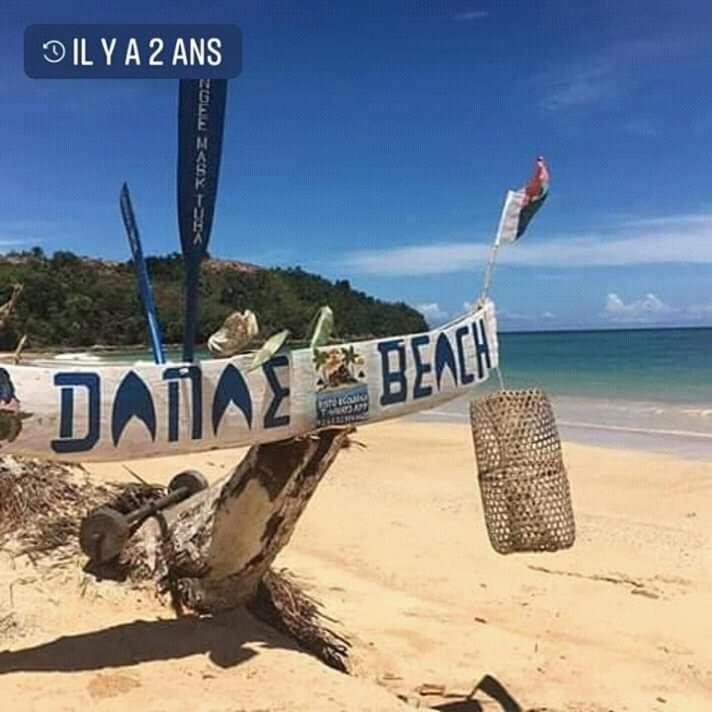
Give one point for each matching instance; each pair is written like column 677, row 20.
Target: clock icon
column 54, row 51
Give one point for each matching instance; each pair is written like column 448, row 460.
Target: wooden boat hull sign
column 84, row 413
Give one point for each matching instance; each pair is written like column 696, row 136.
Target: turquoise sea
column 666, row 365
column 649, row 388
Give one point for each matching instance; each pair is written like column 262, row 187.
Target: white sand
column 394, row 545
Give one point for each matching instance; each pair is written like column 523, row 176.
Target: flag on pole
column 520, row 206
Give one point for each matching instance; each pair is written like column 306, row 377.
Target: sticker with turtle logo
column 341, row 386
column 11, row 415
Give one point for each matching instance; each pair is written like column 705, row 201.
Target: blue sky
column 374, row 141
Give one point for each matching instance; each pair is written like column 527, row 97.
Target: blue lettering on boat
column 481, row 348
column 133, row 399
column 421, row 369
column 173, row 377
column 67, row 383
column 391, row 378
column 394, row 381
column 444, row 357
column 465, row 376
column 280, row 392
column 231, row 388
column 463, row 351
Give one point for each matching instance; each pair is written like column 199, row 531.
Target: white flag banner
column 520, row 206
column 509, row 220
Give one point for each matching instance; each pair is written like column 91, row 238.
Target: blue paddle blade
column 201, row 117
column 144, row 285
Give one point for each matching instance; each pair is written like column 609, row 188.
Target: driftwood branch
column 17, row 356
column 8, row 307
column 213, row 550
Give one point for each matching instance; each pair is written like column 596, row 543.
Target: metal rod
column 157, row 505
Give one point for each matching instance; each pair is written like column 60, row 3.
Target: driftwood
column 42, row 504
column 8, row 307
column 17, row 356
column 213, row 550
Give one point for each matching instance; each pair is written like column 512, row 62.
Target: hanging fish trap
column 523, row 482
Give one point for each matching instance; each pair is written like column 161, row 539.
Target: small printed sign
column 341, row 386
column 133, row 51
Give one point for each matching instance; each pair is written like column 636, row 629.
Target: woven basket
column 525, row 491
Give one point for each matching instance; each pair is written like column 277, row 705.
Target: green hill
column 75, row 301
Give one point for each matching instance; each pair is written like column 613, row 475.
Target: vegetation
column 73, row 301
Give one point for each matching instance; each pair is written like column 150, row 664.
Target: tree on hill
column 77, row 302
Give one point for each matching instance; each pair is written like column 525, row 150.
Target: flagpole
column 489, row 270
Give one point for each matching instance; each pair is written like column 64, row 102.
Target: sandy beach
column 394, row 546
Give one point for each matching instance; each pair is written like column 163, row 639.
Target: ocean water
column 120, row 356
column 642, row 388
column 648, row 388
column 666, row 365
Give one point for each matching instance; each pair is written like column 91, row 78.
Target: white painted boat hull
column 100, row 413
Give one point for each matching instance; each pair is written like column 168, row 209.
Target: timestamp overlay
column 79, row 51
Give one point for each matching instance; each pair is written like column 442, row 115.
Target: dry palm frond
column 41, row 507
column 282, row 602
column 42, row 504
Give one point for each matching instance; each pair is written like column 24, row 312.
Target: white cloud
column 648, row 309
column 601, row 78
column 548, row 315
column 582, row 86
column 9, row 243
column 511, row 318
column 699, row 311
column 471, row 15
column 432, row 312
column 675, row 221
column 20, row 233
column 672, row 239
column 419, row 259
column 511, row 315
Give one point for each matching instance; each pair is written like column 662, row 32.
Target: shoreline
column 667, row 427
column 629, row 421
column 681, row 429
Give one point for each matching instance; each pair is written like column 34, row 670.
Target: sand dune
column 394, row 545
